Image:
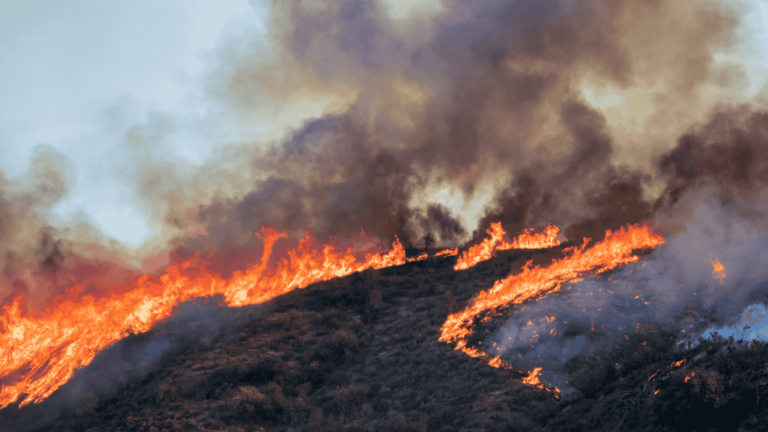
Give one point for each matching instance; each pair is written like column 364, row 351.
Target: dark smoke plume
column 483, row 98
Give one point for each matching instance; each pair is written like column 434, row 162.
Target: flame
column 42, row 353
column 484, row 250
column 497, row 362
column 448, row 252
column 533, row 379
column 546, row 239
column 677, row 364
column 616, row 250
column 718, row 270
column 421, row 257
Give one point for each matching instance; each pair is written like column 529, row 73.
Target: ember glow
column 718, row 270
column 40, row 354
column 484, row 250
column 533, row 282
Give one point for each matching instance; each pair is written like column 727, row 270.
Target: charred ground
column 362, row 353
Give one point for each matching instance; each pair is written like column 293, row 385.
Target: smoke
column 41, row 260
column 500, row 103
column 713, row 210
column 675, row 288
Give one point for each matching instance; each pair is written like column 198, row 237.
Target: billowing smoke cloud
column 482, row 98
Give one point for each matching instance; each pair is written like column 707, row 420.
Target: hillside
column 362, row 353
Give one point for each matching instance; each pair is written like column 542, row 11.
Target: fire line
column 614, row 251
column 44, row 352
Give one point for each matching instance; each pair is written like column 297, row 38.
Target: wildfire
column 614, row 251
column 718, row 270
column 484, row 250
column 533, row 379
column 421, row 257
column 527, row 240
column 448, row 252
column 42, row 353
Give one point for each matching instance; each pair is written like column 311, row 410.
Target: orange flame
column 483, row 251
column 42, row 353
column 718, row 270
column 421, row 257
column 614, row 251
column 527, row 240
column 448, row 252
column 533, row 378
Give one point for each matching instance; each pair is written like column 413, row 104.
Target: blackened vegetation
column 362, row 353
column 636, row 386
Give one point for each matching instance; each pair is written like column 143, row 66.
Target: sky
column 77, row 75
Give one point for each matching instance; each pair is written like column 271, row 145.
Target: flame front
column 527, row 240
column 421, row 257
column 484, row 250
column 448, row 252
column 616, row 250
column 43, row 352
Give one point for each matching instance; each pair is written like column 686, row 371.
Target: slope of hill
column 362, row 353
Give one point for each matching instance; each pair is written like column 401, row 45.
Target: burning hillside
column 43, row 352
column 363, row 352
column 507, row 215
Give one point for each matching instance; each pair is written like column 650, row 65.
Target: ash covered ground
column 362, row 353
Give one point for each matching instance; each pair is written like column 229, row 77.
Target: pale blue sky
column 76, row 74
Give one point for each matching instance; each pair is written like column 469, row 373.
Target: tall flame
column 615, row 250
column 482, row 251
column 40, row 354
